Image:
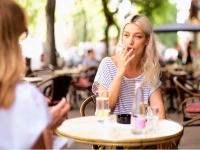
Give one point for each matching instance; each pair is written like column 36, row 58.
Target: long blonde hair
column 13, row 23
column 150, row 59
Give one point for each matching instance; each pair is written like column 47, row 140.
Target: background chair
column 188, row 97
column 56, row 88
column 82, row 86
column 168, row 90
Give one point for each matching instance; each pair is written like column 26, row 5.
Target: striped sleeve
column 155, row 88
column 103, row 75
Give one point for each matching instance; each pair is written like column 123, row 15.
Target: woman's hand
column 124, row 58
column 58, row 113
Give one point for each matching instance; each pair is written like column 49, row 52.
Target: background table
column 68, row 71
column 87, row 130
column 33, row 79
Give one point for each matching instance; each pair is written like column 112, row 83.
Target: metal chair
column 56, row 88
column 188, row 98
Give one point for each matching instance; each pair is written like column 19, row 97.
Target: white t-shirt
column 23, row 123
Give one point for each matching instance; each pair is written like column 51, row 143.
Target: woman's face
column 134, row 38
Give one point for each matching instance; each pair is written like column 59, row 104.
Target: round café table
column 87, row 130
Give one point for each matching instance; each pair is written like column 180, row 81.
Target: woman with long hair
column 136, row 60
column 26, row 121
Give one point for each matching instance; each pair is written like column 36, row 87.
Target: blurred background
column 61, row 31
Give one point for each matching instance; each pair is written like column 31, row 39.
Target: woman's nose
column 131, row 41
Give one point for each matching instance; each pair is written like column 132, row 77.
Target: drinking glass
column 152, row 118
column 102, row 105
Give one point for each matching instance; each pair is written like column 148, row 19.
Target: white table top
column 87, row 130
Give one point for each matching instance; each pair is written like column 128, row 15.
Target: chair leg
column 98, row 147
column 186, row 123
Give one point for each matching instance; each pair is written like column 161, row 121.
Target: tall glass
column 102, row 105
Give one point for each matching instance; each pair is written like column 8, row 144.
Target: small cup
column 152, row 118
column 124, row 118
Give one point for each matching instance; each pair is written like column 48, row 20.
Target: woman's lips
column 129, row 48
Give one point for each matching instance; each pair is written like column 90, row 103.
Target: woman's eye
column 125, row 34
column 138, row 37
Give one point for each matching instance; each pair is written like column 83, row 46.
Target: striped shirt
column 105, row 75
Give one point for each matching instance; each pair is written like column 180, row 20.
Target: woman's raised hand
column 124, row 57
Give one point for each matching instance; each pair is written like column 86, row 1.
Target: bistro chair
column 168, row 90
column 56, row 88
column 188, row 97
column 83, row 84
column 88, row 101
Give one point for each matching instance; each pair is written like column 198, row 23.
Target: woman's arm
column 156, row 100
column 113, row 90
column 122, row 59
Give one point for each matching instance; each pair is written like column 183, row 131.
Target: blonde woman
column 26, row 121
column 136, row 60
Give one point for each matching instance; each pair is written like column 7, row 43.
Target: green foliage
column 159, row 13
column 88, row 20
column 35, row 10
column 168, row 39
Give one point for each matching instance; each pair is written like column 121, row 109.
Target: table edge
column 129, row 143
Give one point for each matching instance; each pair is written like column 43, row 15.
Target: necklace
column 133, row 80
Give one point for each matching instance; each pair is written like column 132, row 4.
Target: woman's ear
column 147, row 41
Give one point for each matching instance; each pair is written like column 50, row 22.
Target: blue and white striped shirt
column 105, row 75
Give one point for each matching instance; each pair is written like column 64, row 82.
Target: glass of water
column 102, row 105
column 152, row 118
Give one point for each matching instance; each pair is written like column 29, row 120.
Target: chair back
column 186, row 96
column 179, row 83
column 60, row 86
column 57, row 88
column 91, row 73
column 86, row 102
column 184, row 88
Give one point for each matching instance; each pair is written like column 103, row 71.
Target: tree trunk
column 49, row 47
column 110, row 21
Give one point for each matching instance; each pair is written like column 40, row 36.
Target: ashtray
column 124, row 118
